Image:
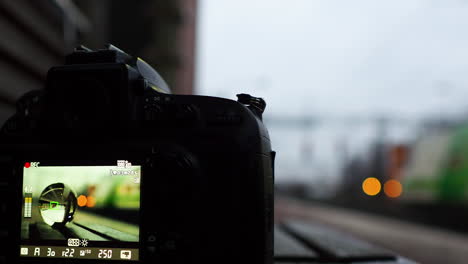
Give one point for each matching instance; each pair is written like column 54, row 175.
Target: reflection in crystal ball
column 57, row 204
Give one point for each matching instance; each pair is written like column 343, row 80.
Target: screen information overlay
column 75, row 210
column 79, row 253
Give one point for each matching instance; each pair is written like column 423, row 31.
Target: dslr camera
column 105, row 165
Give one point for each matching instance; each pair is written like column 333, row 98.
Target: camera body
column 198, row 187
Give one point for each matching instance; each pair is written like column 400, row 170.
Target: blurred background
column 367, row 100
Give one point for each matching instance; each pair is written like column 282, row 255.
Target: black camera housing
column 207, row 164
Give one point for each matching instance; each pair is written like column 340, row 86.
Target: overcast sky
column 402, row 58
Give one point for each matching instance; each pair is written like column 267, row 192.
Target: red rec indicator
column 27, row 164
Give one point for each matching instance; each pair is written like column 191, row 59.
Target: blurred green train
column 437, row 168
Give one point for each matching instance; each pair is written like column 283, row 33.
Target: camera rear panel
column 198, row 202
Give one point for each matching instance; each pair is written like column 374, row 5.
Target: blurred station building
column 37, row 34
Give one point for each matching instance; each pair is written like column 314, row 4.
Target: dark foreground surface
column 303, row 242
column 336, row 234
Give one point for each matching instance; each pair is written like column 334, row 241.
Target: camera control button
column 151, row 249
column 151, row 238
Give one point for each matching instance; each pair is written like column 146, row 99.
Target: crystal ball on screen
column 57, row 204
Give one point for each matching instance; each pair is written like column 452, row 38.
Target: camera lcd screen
column 81, row 211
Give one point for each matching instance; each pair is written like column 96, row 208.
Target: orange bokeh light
column 393, row 188
column 91, row 201
column 371, row 186
column 82, row 200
